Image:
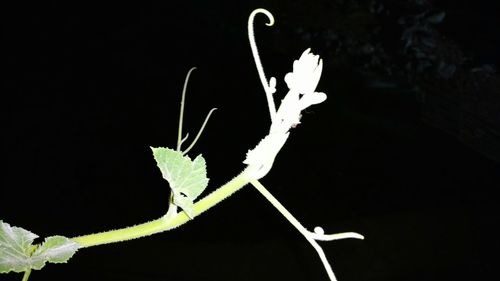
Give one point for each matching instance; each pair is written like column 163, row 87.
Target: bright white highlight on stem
column 302, row 83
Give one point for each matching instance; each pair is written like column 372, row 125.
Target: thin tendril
column 336, row 236
column 268, row 86
column 199, row 132
column 181, row 114
column 185, row 138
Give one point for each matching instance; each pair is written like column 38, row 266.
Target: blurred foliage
column 404, row 49
column 393, row 43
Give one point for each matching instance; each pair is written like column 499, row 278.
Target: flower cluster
column 302, row 83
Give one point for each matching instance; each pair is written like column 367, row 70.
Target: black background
column 86, row 89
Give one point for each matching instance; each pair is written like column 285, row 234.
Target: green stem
column 164, row 223
column 26, row 275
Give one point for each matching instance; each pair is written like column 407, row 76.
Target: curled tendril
column 269, row 86
column 319, row 234
column 302, row 83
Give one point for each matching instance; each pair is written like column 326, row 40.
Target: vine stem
column 26, row 275
column 166, row 222
column 310, row 236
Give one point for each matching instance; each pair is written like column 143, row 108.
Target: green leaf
column 187, row 178
column 56, row 249
column 18, row 254
column 15, row 248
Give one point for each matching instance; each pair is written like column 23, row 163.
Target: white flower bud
column 306, row 73
column 302, row 83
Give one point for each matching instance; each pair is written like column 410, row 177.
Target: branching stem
column 310, row 236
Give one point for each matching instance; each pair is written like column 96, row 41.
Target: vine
column 187, row 177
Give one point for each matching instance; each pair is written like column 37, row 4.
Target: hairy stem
column 164, row 223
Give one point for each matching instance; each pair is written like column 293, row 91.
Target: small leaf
column 16, row 249
column 56, row 249
column 184, row 203
column 187, row 178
